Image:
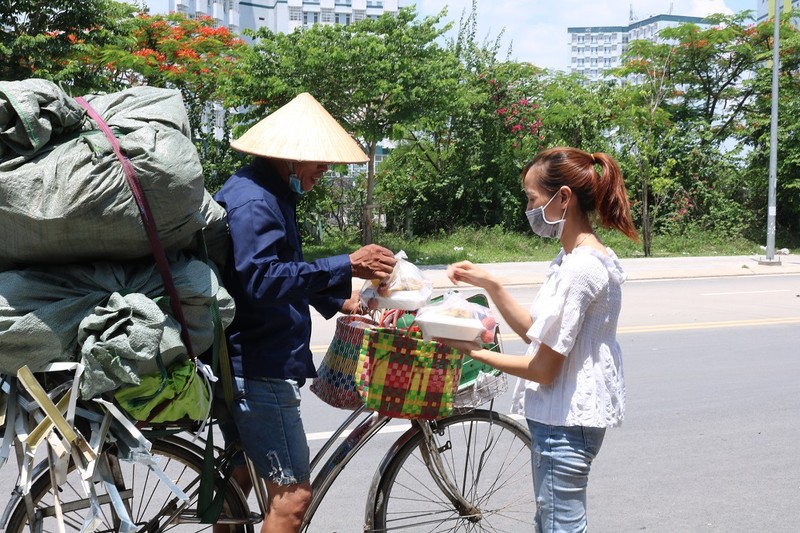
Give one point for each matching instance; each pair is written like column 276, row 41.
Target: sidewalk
column 643, row 268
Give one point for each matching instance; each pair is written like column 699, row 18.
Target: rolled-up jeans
column 561, row 458
column 267, row 420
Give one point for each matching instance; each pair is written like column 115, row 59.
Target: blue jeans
column 267, row 420
column 561, row 458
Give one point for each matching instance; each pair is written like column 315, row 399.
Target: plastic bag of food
column 456, row 318
column 405, row 288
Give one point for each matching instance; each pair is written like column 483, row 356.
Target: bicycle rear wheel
column 487, row 456
column 149, row 501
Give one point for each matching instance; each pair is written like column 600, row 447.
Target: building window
column 607, row 50
column 594, row 39
column 607, row 62
column 311, row 17
column 359, row 14
column 580, row 39
column 326, row 16
column 343, row 18
column 593, row 50
column 581, row 50
column 296, row 14
column 580, row 63
column 594, row 62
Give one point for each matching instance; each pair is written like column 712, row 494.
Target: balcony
column 218, row 11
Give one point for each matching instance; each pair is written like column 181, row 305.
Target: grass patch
column 494, row 245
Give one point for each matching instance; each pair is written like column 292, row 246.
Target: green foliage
column 463, row 167
column 754, row 130
column 493, row 245
column 376, row 77
column 59, row 40
column 691, row 131
column 678, row 121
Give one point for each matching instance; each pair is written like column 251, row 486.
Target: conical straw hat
column 301, row 130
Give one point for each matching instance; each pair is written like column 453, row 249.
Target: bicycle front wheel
column 486, row 455
column 149, row 502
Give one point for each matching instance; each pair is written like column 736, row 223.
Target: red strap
column 149, row 225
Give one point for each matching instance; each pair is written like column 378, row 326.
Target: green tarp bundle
column 63, row 193
column 113, row 317
column 78, row 281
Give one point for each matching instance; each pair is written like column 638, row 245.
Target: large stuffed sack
column 31, row 113
column 114, row 318
column 68, row 200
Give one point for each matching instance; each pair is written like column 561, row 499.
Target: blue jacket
column 269, row 280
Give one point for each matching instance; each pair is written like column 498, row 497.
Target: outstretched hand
column 467, row 272
column 372, row 262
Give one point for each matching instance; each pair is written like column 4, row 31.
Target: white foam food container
column 449, row 327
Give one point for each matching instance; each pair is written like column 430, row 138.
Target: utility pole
column 773, row 142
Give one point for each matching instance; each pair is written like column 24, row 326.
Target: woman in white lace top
column 571, row 375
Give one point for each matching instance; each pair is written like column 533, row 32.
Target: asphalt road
column 709, row 441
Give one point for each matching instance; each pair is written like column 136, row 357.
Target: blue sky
column 537, row 32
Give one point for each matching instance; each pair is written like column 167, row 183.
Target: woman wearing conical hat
column 273, row 287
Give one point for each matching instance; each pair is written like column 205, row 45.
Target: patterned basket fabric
column 335, row 382
column 402, row 376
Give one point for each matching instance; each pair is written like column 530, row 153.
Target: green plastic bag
column 183, row 396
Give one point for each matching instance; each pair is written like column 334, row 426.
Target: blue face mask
column 295, row 184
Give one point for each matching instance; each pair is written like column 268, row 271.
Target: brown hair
column 603, row 192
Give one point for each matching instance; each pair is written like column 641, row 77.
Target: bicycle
column 468, row 471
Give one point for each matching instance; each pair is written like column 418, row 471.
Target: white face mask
column 543, row 227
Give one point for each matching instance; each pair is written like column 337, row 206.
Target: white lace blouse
column 575, row 313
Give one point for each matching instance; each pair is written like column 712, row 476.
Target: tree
column 59, row 39
column 644, row 123
column 191, row 56
column 753, row 128
column 465, row 157
column 575, row 112
column 678, row 120
column 710, row 68
column 374, row 76
column 187, row 54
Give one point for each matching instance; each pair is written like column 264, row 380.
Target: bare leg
column 287, row 506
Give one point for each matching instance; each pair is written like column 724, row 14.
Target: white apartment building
column 595, row 50
column 283, row 16
column 765, row 8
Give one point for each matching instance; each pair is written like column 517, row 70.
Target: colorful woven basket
column 402, row 376
column 335, row 382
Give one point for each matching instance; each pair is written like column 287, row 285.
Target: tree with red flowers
column 59, row 39
column 187, row 54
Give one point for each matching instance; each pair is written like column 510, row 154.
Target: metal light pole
column 773, row 140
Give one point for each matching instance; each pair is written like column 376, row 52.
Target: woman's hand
column 466, row 347
column 465, row 271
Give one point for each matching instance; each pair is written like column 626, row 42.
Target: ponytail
column 611, row 197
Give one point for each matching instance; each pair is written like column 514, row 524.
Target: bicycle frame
column 356, row 440
column 337, row 461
